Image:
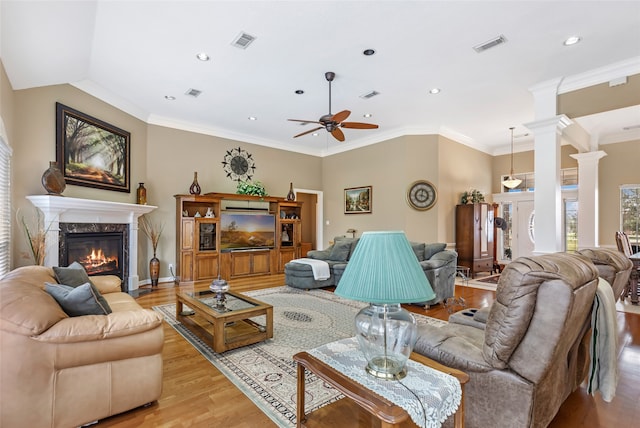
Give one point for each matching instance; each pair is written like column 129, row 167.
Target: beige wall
column 390, row 167
column 165, row 159
column 620, row 166
column 523, row 162
column 174, row 155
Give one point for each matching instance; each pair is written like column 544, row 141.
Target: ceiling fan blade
column 340, row 116
column 338, row 134
column 308, row 132
column 359, row 125
column 304, row 121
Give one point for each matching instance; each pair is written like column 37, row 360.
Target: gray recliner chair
column 530, row 354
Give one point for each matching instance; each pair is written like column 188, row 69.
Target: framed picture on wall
column 357, row 200
column 91, row 152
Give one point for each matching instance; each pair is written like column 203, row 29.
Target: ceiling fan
column 333, row 122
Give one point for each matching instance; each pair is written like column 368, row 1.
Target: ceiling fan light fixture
column 511, row 182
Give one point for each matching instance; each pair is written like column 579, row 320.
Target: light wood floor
column 196, row 394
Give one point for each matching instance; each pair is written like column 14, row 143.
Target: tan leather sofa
column 530, row 355
column 61, row 371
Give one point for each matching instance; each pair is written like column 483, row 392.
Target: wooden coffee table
column 233, row 327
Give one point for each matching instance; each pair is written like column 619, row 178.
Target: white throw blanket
column 603, row 373
column 320, row 268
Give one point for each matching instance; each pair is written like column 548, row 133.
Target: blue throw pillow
column 76, row 301
column 340, row 251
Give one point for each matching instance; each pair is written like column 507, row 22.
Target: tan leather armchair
column 530, row 354
column 61, row 371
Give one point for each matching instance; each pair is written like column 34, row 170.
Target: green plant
column 254, row 188
column 472, row 196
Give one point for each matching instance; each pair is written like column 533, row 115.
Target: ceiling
column 132, row 54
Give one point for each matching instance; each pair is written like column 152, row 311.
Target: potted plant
column 249, row 187
column 153, row 231
column 472, row 196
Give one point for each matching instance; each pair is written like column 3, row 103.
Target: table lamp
column 384, row 272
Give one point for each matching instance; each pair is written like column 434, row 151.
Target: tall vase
column 141, row 195
column 195, row 187
column 291, row 196
column 154, row 270
column 53, row 179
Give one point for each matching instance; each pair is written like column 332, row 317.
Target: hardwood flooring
column 196, row 394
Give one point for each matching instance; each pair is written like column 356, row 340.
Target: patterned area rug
column 265, row 372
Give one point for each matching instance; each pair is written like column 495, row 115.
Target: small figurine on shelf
column 209, row 213
column 285, row 236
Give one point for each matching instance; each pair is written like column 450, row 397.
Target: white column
column 588, row 198
column 548, row 196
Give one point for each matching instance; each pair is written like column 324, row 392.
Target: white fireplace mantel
column 62, row 209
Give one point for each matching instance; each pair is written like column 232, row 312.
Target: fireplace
column 65, row 215
column 102, row 248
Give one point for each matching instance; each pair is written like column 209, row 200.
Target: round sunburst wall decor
column 239, row 164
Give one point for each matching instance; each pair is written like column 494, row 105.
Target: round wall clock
column 422, row 195
column 238, row 164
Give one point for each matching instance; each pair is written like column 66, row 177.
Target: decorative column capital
column 589, row 157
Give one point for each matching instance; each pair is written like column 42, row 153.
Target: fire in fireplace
column 101, row 249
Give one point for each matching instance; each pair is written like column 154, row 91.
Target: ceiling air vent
column 193, row 92
column 491, row 43
column 370, row 95
column 243, row 40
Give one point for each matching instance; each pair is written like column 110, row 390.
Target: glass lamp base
column 386, row 334
column 386, row 368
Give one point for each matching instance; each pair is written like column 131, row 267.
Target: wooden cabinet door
column 187, row 234
column 284, row 257
column 240, row 263
column 261, row 263
column 206, row 267
column 186, row 266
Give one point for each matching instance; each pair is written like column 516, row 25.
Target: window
column 570, row 225
column 630, row 213
column 5, row 202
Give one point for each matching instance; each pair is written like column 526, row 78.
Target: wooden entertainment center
column 202, row 253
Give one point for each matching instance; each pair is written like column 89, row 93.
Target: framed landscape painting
column 91, row 152
column 357, row 200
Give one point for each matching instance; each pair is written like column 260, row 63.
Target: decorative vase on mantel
column 53, row 179
column 195, row 187
column 141, row 195
column 291, row 196
column 154, row 270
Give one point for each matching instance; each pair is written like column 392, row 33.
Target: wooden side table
column 389, row 414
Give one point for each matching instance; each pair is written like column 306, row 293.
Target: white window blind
column 5, row 203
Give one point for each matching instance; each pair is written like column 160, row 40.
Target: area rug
column 265, row 372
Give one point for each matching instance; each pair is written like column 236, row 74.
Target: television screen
column 247, row 230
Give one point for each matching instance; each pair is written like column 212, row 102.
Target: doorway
column 312, row 213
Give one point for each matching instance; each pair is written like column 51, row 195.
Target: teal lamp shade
column 384, row 269
column 385, row 272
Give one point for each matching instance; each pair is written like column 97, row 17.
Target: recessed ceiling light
column 299, row 91
column 434, row 91
column 315, row 134
column 253, row 118
column 572, row 40
column 367, row 115
column 169, row 97
column 203, row 56
column 368, row 52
